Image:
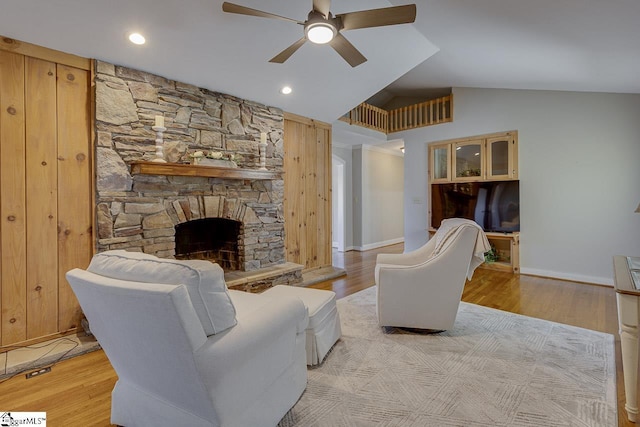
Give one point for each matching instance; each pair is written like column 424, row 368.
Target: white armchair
column 422, row 289
column 187, row 351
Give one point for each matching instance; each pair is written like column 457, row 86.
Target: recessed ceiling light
column 286, row 90
column 136, row 38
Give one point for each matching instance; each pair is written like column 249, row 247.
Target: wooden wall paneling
column 74, row 186
column 307, row 191
column 294, row 190
column 320, row 194
column 324, row 197
column 321, row 180
column 45, row 146
column 310, row 234
column 12, row 199
column 35, row 51
column 41, row 197
column 328, row 198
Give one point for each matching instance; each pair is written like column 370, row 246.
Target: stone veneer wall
column 140, row 212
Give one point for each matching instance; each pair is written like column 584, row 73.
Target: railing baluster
column 403, row 125
column 430, row 112
column 392, row 119
column 396, row 117
column 405, row 117
column 397, row 120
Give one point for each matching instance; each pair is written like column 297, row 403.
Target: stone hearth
column 140, row 212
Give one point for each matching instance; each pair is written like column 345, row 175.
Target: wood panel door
column 45, row 190
column 13, row 234
column 307, row 201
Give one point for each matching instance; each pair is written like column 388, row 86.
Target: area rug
column 493, row 368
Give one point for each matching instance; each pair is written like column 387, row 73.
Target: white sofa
column 422, row 289
column 186, row 350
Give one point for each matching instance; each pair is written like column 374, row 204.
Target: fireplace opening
column 213, row 239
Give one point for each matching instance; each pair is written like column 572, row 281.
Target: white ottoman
column 324, row 322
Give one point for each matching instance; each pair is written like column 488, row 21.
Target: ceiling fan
column 322, row 27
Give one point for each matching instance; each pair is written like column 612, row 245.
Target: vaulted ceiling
column 577, row 45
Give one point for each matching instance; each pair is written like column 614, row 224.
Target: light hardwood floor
column 78, row 391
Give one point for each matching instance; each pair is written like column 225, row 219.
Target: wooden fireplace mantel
column 177, row 169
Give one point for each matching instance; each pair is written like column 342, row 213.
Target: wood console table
column 627, row 284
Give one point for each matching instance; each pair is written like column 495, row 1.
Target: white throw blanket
column 449, row 227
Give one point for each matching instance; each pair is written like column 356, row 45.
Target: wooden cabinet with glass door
column 492, row 157
column 502, row 157
column 468, row 160
column 440, row 162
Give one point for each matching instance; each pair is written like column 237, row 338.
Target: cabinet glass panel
column 440, row 163
column 499, row 158
column 468, row 160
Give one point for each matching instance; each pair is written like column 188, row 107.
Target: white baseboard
column 376, row 245
column 568, row 276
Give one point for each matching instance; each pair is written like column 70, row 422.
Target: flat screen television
column 494, row 205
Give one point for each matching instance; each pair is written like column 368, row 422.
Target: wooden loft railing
column 433, row 112
column 428, row 113
column 368, row 116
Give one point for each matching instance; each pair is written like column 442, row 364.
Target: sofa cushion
column 204, row 281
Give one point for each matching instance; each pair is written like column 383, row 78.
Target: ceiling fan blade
column 243, row 10
column 322, row 6
column 378, row 17
column 285, row 54
column 347, row 50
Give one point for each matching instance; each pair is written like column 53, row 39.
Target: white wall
column 579, row 175
column 338, row 185
column 380, row 197
column 356, row 200
column 345, row 154
column 374, row 195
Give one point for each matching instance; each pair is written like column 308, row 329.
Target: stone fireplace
column 237, row 222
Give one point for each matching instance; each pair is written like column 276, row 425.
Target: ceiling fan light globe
column 320, row 32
